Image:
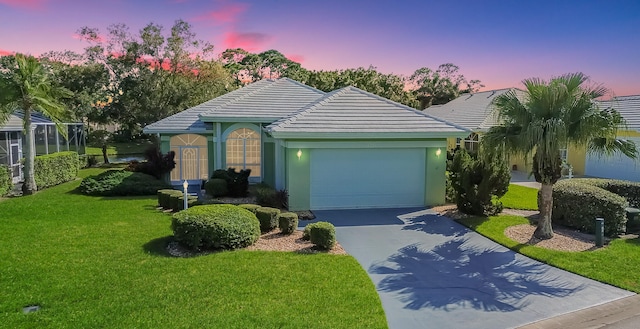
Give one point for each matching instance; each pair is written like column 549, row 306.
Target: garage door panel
column 367, row 178
column 615, row 167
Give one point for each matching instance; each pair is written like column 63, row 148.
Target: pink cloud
column 228, row 13
column 24, row 4
column 296, row 58
column 250, row 41
column 5, row 52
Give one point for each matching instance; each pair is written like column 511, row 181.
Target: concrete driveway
column 432, row 272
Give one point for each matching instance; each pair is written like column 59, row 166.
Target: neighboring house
column 344, row 149
column 619, row 166
column 46, row 138
column 476, row 113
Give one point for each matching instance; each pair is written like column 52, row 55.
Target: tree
column 440, row 86
column 152, row 76
column 550, row 116
column 26, row 85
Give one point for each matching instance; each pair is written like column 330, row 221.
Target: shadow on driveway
column 457, row 273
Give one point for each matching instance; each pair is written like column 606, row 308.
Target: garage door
column 616, row 167
column 367, row 178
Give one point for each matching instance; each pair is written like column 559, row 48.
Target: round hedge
column 216, row 226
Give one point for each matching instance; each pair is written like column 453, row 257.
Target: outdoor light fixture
column 185, row 184
column 299, row 154
column 438, row 152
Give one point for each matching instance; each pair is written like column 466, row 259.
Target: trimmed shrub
column 5, row 180
column 56, row 168
column 217, row 226
column 306, row 233
column 238, row 182
column 626, row 189
column 268, row 218
column 479, row 183
column 323, row 235
column 287, row 222
column 216, row 187
column 249, row 206
column 176, row 201
column 121, row 183
column 577, row 205
column 164, row 197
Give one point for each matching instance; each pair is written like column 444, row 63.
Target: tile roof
column 628, row 107
column 271, row 99
column 471, row 111
column 352, row 110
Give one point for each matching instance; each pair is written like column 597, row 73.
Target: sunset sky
column 497, row 42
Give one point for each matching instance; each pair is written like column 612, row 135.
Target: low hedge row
column 626, row 189
column 174, row 199
column 56, row 168
column 577, row 203
column 121, row 183
column 5, row 180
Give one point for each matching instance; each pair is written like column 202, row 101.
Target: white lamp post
column 185, row 184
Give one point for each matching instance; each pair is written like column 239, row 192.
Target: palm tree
column 26, row 85
column 550, row 116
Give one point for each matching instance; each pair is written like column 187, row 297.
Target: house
column 619, row 166
column 338, row 150
column 47, row 140
column 476, row 113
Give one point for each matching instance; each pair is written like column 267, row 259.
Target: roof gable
column 351, row 111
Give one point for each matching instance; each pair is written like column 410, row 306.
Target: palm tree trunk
column 544, row 230
column 29, row 186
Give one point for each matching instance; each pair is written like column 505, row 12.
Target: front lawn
column 100, row 262
column 520, row 197
column 617, row 264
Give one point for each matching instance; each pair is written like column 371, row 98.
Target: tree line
column 134, row 79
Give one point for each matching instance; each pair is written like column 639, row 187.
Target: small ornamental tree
column 478, row 182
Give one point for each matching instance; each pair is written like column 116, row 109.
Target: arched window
column 191, row 157
column 243, row 150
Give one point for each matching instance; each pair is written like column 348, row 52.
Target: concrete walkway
column 432, row 272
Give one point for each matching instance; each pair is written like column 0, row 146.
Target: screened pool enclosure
column 47, row 140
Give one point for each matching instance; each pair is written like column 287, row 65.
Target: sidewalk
column 620, row 314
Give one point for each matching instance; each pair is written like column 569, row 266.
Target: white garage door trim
column 367, row 178
column 614, row 167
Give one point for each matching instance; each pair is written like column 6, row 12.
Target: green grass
column 618, row 264
column 94, row 262
column 130, row 148
column 520, row 197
